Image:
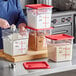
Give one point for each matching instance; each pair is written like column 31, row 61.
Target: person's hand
column 22, row 29
column 4, row 23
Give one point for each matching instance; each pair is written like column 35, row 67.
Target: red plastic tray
column 36, row 65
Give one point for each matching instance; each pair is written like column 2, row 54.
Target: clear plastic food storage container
column 39, row 15
column 37, row 40
column 15, row 43
column 59, row 47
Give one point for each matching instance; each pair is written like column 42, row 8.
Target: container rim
column 59, row 37
column 38, row 6
column 39, row 29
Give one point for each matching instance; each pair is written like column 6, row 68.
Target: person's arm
column 21, row 16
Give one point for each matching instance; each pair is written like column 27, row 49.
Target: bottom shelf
column 29, row 56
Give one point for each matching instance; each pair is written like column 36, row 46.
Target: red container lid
column 36, row 65
column 59, row 37
column 38, row 29
column 38, row 6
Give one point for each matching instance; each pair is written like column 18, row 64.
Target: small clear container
column 37, row 40
column 15, row 42
column 39, row 15
column 59, row 47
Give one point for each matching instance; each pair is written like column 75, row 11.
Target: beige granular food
column 60, row 52
column 37, row 41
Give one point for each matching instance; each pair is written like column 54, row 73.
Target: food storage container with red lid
column 39, row 15
column 59, row 47
column 37, row 40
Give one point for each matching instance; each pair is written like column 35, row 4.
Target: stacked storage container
column 39, row 16
column 39, row 23
column 37, row 40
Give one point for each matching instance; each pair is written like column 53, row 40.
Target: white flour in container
column 15, row 44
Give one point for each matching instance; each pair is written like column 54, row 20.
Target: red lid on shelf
column 36, row 65
column 39, row 29
column 38, row 6
column 59, row 37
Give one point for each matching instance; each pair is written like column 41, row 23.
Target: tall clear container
column 15, row 42
column 37, row 40
column 39, row 15
column 59, row 47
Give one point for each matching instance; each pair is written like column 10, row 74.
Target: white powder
column 15, row 44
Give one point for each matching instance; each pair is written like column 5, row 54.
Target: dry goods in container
column 39, row 15
column 14, row 43
column 59, row 47
column 37, row 40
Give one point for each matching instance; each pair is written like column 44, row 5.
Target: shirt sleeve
column 21, row 16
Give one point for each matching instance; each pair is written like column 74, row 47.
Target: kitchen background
column 67, row 4
column 63, row 16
